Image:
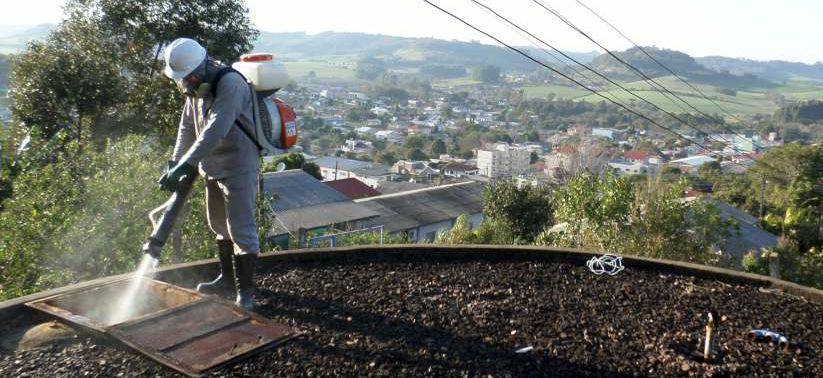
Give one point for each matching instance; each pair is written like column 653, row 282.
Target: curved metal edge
column 185, row 271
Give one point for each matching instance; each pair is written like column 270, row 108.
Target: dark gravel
column 467, row 318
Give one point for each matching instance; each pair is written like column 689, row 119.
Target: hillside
column 397, row 52
column 681, row 63
column 775, row 70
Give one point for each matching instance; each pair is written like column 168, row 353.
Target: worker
column 209, row 140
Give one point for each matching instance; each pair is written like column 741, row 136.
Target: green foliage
column 294, row 160
column 526, row 210
column 438, row 147
column 486, row 74
column 610, row 214
column 806, row 112
column 62, row 83
column 95, row 69
column 370, row 68
column 80, row 218
column 490, row 231
column 416, row 155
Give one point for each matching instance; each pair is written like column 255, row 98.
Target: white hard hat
column 183, row 55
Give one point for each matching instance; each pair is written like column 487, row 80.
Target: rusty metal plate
column 180, row 328
column 90, row 307
column 201, row 336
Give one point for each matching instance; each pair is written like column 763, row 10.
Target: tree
column 533, row 157
column 438, row 147
column 414, row 142
column 127, row 37
column 527, row 209
column 611, row 214
column 487, row 74
column 294, row 160
column 417, row 154
column 59, row 84
column 388, row 158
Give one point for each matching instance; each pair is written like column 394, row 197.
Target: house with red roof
column 352, row 188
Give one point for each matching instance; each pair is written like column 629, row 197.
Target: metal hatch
column 180, row 328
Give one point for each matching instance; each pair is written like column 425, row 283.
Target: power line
column 527, row 56
column 672, row 115
column 653, row 83
column 528, row 36
column 696, row 89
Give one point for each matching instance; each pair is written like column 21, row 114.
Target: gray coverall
column 209, row 139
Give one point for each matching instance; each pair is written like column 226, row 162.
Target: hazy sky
column 756, row 29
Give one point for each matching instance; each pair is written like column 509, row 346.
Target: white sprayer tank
column 265, row 73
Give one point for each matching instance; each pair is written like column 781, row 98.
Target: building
column 358, row 146
column 502, row 160
column 303, row 205
column 629, row 168
column 693, row 162
column 457, row 169
column 336, row 168
column 421, row 214
column 612, row 134
column 352, row 188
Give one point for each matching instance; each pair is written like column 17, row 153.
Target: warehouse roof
column 305, row 202
column 296, row 188
column 415, row 208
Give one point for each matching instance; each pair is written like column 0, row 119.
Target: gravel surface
column 469, row 318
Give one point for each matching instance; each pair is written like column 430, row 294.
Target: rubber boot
column 244, row 266
column 224, row 282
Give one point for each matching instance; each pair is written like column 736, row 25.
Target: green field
column 455, row 83
column 752, row 101
column 559, row 91
column 324, row 70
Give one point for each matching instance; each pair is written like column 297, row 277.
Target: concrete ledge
column 187, row 273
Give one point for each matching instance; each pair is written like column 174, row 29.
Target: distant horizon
column 759, row 30
column 24, row 27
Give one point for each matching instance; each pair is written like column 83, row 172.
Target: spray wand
column 164, row 223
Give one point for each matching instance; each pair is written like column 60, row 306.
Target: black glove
column 169, row 165
column 179, row 172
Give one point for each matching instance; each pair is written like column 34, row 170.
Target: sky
column 755, row 29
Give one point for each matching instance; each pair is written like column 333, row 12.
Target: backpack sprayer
column 275, row 132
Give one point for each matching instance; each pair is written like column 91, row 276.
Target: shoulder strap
column 219, row 75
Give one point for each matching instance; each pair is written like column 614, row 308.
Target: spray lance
column 163, row 217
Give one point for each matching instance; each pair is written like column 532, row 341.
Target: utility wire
column 567, row 77
column 670, row 114
column 653, row 83
column 694, row 88
column 528, row 36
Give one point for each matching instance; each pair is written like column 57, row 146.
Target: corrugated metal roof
column 405, row 210
column 357, row 166
column 352, row 188
column 297, row 189
column 290, row 221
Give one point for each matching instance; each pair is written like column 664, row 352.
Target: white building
column 335, row 168
column 607, row 133
column 503, row 160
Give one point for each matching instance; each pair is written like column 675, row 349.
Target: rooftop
column 352, row 188
column 405, row 210
column 484, row 311
column 357, row 166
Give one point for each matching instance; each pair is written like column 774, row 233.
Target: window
column 430, row 236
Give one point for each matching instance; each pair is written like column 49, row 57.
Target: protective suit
column 210, row 139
